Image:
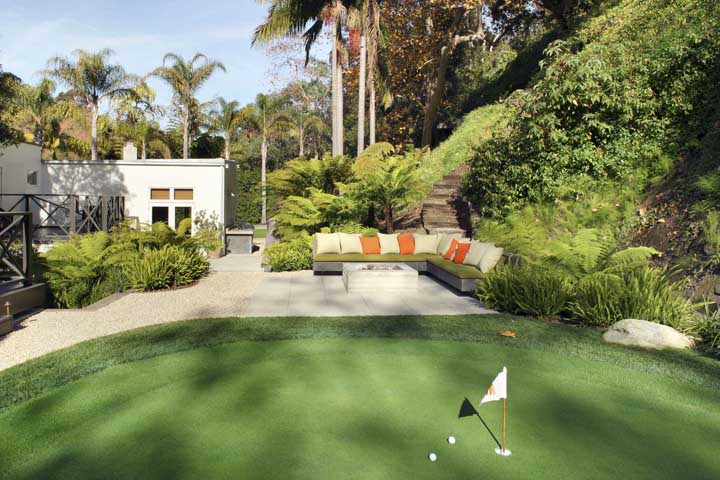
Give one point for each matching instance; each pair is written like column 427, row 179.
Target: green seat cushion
column 359, row 258
column 459, row 271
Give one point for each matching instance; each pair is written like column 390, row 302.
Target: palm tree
column 38, row 108
column 136, row 120
column 289, row 18
column 265, row 118
column 91, row 80
column 226, row 118
column 185, row 78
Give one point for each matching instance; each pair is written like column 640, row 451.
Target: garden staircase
column 444, row 210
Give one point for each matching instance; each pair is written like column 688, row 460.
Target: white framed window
column 171, row 205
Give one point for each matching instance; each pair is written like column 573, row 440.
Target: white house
column 154, row 190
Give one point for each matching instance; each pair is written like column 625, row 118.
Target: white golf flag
column 498, row 389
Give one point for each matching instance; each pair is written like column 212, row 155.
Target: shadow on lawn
column 255, row 409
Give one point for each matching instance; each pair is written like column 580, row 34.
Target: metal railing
column 69, row 214
column 15, row 249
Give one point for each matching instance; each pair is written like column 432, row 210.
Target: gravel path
column 222, row 294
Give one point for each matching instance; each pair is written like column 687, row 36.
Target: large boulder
column 640, row 333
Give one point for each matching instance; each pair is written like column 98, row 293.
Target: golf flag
column 498, row 389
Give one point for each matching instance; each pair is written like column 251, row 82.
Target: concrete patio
column 303, row 294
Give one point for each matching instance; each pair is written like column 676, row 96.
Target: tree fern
column 582, row 254
column 629, row 259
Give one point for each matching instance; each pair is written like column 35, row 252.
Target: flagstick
column 504, row 424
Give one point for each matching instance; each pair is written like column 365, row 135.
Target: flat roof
column 172, row 162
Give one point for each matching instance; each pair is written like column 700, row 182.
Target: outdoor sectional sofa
column 463, row 278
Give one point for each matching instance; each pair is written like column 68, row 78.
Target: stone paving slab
column 304, row 294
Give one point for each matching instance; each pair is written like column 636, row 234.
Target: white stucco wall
column 16, row 161
column 134, row 179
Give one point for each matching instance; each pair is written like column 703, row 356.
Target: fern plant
column 77, row 266
column 590, row 251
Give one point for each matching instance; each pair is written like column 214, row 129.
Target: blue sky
column 140, row 32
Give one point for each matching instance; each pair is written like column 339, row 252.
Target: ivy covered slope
column 624, row 107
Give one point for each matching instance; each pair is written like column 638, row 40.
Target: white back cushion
column 426, row 243
column 490, row 259
column 350, row 243
column 388, row 243
column 477, row 252
column 327, row 243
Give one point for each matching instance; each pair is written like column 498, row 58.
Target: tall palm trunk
column 361, row 94
column 340, row 109
column 93, row 132
column 333, row 89
column 263, row 180
column 143, row 154
column 301, row 134
column 227, row 145
column 372, row 108
column 186, row 132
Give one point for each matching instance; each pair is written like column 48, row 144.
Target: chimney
column 129, row 151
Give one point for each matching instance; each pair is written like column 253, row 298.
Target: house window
column 161, row 214
column 171, row 206
column 183, row 194
column 32, row 177
column 160, row 194
column 181, row 213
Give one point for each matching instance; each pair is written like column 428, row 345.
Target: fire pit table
column 379, row 277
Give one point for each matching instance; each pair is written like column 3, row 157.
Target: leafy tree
column 226, row 118
column 186, row 77
column 91, row 80
column 38, row 109
column 300, row 175
column 266, row 118
column 290, row 18
column 390, row 185
column 8, row 90
column 136, row 115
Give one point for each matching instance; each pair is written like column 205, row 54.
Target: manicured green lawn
column 358, row 398
column 260, row 233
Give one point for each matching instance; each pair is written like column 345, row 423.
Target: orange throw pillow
column 407, row 244
column 451, row 251
column 370, row 245
column 462, row 251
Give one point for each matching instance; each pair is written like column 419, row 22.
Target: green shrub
column 151, row 270
column 78, row 271
column 188, row 266
column 168, row 267
column 598, row 299
column 292, row 255
column 707, row 328
column 607, row 105
column 646, row 294
column 529, row 290
column 350, row 227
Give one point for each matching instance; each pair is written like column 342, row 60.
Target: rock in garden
column 641, row 333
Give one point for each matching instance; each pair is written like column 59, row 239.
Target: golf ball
column 451, row 440
column 432, row 457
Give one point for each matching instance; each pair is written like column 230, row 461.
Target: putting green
column 362, row 408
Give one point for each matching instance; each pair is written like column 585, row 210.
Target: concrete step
column 447, row 192
column 440, row 221
column 446, row 184
column 439, row 201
